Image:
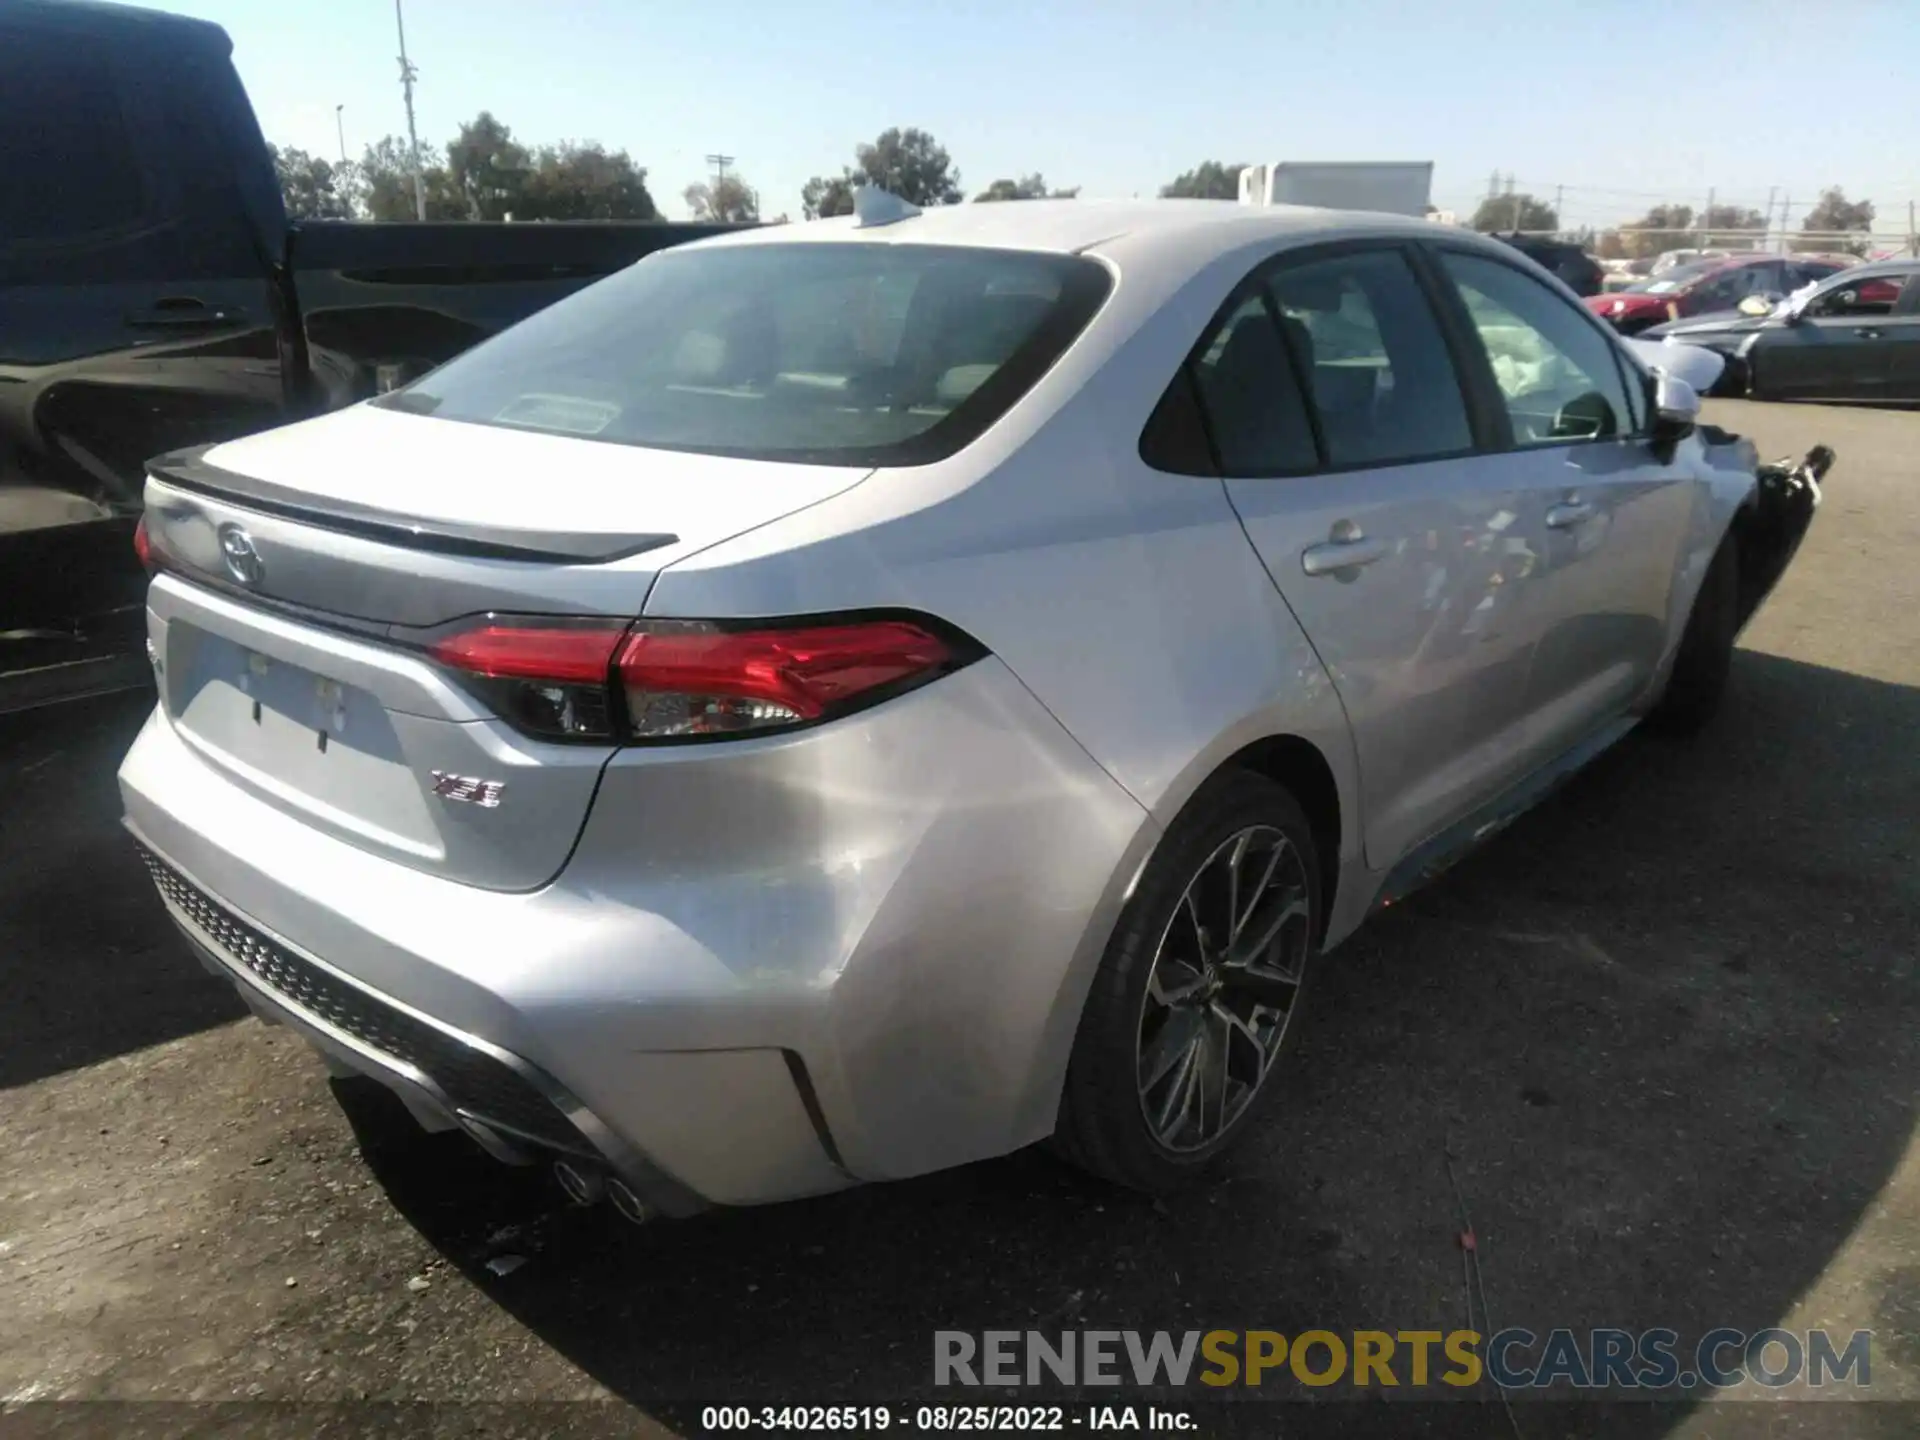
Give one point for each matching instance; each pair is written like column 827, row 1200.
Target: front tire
column 1699, row 676
column 1199, row 994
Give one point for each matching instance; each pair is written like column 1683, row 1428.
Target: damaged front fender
column 1763, row 509
column 1768, row 529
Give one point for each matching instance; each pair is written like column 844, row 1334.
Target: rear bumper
column 447, row 1079
column 768, row 970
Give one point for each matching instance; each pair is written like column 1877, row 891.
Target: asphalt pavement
column 1655, row 1046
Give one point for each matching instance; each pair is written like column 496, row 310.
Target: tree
column 908, row 163
column 386, row 182
column 727, row 198
column 1834, row 212
column 312, row 188
column 1664, row 227
column 1612, row 245
column 489, row 168
column 583, row 180
column 1209, row 180
column 911, row 164
column 1723, row 223
column 823, row 196
column 1518, row 211
column 1029, row 187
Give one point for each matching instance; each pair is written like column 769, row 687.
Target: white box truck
column 1396, row 187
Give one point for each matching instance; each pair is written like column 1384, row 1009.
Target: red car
column 1705, row 287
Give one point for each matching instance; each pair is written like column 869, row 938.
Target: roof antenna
column 873, row 206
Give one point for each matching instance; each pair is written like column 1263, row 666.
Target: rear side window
column 70, row 168
column 1556, row 371
column 1373, row 359
column 1175, row 439
column 1246, row 383
column 849, row 354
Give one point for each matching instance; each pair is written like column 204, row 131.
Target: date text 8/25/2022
column 715, row 1419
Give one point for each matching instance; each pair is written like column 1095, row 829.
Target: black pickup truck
column 154, row 294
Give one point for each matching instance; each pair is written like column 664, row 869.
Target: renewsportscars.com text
column 1514, row 1359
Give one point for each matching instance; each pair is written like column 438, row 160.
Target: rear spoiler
column 189, row 470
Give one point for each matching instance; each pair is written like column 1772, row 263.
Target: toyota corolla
column 847, row 699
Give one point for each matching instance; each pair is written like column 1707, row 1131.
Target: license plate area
column 224, row 690
column 306, row 740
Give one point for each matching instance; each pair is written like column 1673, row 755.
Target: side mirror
column 1676, row 411
column 1758, row 305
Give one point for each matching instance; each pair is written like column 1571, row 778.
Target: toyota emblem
column 243, row 561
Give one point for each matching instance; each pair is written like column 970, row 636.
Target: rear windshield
column 854, row 354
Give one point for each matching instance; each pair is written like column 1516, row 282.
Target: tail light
column 682, row 679
column 143, row 545
column 548, row 677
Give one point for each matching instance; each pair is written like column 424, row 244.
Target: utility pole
column 720, row 164
column 1493, row 184
column 1766, row 234
column 407, row 76
column 340, row 128
column 1706, row 222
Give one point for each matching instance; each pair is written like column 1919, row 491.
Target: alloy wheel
column 1222, row 989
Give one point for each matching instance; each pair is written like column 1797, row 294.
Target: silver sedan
column 842, row 700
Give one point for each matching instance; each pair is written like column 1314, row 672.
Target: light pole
column 340, row 128
column 407, row 74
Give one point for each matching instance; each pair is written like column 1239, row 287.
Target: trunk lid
column 303, row 566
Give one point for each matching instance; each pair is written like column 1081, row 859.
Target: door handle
column 1571, row 513
column 1869, row 333
column 180, row 312
column 1332, row 557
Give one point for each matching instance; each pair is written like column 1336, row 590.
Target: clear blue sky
column 1624, row 102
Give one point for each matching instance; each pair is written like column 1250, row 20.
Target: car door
column 1349, row 449
column 1903, row 334
column 1615, row 510
column 1837, row 347
column 134, row 318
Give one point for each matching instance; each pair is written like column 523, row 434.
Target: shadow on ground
column 90, row 966
column 1663, row 1024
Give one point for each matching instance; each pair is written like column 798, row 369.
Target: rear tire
column 1199, row 995
column 1699, row 676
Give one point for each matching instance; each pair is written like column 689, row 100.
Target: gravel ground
column 1662, row 1025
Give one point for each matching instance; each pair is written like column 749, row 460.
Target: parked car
column 952, row 676
column 1853, row 337
column 1705, row 286
column 1581, row 272
column 153, row 294
column 1672, row 259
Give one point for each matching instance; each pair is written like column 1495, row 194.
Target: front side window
column 1727, row 289
column 1372, row 359
column 1865, row 295
column 1558, row 375
column 1806, row 273
column 839, row 354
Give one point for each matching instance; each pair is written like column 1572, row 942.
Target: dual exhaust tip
column 584, row 1185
